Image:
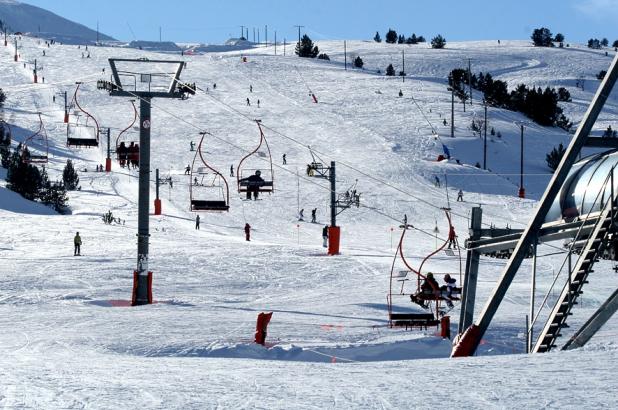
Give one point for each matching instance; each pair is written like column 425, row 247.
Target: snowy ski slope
column 64, row 345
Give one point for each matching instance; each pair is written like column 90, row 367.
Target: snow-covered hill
column 21, row 17
column 66, row 340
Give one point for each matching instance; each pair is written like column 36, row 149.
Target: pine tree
column 594, row 43
column 615, row 43
column 542, row 37
column 358, row 62
column 412, row 39
column 55, row 195
column 306, row 48
column 559, row 38
column 604, row 42
column 401, row 39
column 391, row 36
column 23, row 178
column 324, row 56
column 2, row 98
column 70, row 177
column 555, row 156
column 390, row 70
column 610, row 133
column 564, row 94
column 377, row 38
column 438, row 42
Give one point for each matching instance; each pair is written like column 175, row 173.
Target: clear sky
column 211, row 21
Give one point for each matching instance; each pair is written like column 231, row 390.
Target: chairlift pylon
column 82, row 135
column 198, row 188
column 256, row 180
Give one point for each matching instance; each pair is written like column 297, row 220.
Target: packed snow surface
column 69, row 340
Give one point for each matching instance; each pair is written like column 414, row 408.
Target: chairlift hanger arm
column 129, row 127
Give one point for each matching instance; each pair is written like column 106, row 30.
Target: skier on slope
column 77, row 241
column 325, row 236
column 247, row 232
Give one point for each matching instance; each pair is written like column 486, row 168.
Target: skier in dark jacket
column 325, row 236
column 77, row 241
column 313, row 215
column 247, row 232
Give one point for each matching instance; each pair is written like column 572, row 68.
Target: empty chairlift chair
column 82, row 132
column 208, row 189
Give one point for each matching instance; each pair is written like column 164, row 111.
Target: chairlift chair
column 243, row 174
column 207, row 195
column 428, row 298
column 35, row 148
column 127, row 153
column 82, row 133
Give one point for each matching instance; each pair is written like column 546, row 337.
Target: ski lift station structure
column 580, row 205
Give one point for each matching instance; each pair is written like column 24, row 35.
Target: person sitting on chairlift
column 449, row 287
column 254, row 182
column 428, row 287
column 310, row 170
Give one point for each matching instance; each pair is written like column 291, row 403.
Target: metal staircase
column 590, row 252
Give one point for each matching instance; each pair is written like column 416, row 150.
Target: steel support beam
column 596, row 322
column 468, row 291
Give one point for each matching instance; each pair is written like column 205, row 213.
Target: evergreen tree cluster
column 33, row 183
column 610, row 133
column 438, row 42
column 537, row 104
column 615, row 44
column 542, row 37
column 306, row 48
column 597, row 44
column 392, row 37
column 358, row 62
